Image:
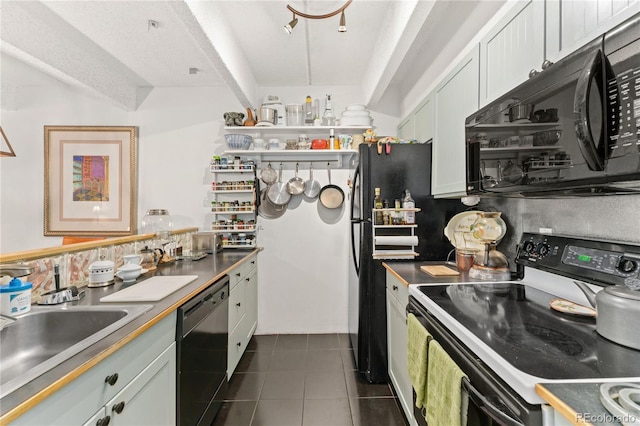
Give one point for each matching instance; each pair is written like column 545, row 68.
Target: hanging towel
column 446, row 402
column 417, row 350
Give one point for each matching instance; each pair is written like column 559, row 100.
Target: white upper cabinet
column 423, row 120
column 511, row 49
column 455, row 98
column 405, row 129
column 573, row 23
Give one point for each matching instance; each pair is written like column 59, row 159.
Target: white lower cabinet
column 243, row 310
column 397, row 300
column 454, row 100
column 140, row 376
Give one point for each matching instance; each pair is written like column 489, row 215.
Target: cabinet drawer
column 237, row 304
column 238, row 341
column 83, row 397
column 241, row 271
column 397, row 289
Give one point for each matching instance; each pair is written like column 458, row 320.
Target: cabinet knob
column 546, row 64
column 238, row 344
column 119, row 407
column 532, row 74
column 112, row 379
column 238, row 274
column 103, row 421
column 395, row 288
column 238, row 304
column 248, row 279
column 253, row 262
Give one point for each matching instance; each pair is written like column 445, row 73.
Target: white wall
column 304, row 265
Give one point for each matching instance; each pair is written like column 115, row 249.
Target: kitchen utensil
column 295, row 115
column 569, row 307
column 135, row 259
column 295, row 185
column 268, row 175
column 129, row 272
column 464, row 259
column 512, row 173
column 611, row 396
column 458, row 231
column 520, row 112
column 278, row 193
column 487, row 181
column 439, row 270
column 491, row 264
column 150, row 257
column 319, row 144
column 101, row 273
column 238, row 141
column 331, row 196
column 311, row 186
column 266, row 116
column 266, row 209
column 249, row 122
column 618, row 313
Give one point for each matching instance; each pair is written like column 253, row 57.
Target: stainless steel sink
column 46, row 336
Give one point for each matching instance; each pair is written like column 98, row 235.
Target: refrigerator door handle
column 353, row 248
column 356, row 175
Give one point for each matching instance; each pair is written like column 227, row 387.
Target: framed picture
column 90, row 180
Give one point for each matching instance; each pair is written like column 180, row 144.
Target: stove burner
column 530, row 335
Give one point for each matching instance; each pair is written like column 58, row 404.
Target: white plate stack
column 356, row 115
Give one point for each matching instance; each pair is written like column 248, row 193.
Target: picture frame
column 90, row 180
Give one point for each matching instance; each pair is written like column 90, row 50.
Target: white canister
column 101, row 273
column 15, row 297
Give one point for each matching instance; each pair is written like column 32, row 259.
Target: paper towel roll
column 397, row 240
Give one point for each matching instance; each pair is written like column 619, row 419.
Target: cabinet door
column 150, row 398
column 423, row 120
column 454, row 100
column 573, row 23
column 405, row 128
column 251, row 297
column 397, row 354
column 511, row 49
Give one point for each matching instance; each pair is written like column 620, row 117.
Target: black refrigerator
column 403, row 166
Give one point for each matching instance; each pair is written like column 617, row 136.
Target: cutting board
column 439, row 270
column 150, row 290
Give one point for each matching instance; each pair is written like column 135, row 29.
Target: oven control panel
column 591, row 260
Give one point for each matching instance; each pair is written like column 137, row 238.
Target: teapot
column 150, row 257
column 618, row 312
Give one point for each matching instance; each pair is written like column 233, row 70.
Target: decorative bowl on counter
column 238, row 141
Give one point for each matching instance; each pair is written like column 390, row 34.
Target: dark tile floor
column 300, row 379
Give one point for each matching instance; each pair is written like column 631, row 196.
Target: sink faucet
column 16, row 269
column 60, row 295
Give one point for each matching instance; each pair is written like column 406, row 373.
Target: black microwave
column 572, row 129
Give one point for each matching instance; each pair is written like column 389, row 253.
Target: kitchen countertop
column 573, row 399
column 410, row 273
column 209, row 269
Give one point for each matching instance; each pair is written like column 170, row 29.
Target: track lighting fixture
column 289, row 27
column 343, row 22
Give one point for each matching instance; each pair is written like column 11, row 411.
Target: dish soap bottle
column 377, row 204
column 408, row 203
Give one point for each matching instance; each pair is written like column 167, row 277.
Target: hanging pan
column 311, row 186
column 278, row 194
column 268, row 175
column 295, row 185
column 266, row 209
column 331, row 196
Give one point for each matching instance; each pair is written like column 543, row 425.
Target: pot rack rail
column 339, row 158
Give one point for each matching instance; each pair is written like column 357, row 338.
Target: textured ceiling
column 109, row 49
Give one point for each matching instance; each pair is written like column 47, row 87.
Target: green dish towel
column 446, row 402
column 417, row 351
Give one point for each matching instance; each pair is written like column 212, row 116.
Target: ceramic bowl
column 129, row 272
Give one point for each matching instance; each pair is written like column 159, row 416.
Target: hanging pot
column 278, row 194
column 266, row 209
column 331, row 196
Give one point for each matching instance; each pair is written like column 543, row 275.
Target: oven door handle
column 487, row 406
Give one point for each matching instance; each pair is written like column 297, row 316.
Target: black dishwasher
column 201, row 336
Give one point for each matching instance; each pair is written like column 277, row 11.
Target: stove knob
column 626, row 265
column 528, row 247
column 543, row 249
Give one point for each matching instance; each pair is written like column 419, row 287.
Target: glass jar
column 488, row 227
column 157, row 221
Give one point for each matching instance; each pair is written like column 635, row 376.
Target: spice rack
column 234, row 203
column 396, row 232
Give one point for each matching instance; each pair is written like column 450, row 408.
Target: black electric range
column 507, row 330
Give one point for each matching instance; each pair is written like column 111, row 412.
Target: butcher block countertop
column 209, row 269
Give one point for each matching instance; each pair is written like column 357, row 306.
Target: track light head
column 343, row 24
column 289, row 27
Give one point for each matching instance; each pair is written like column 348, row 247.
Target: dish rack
column 388, row 238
